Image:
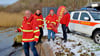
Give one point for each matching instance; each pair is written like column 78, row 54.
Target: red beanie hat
column 51, row 10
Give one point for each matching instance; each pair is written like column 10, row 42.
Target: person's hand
column 36, row 42
column 16, row 30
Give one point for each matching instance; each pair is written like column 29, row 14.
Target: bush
column 2, row 8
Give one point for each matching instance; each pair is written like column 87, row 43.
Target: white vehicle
column 87, row 22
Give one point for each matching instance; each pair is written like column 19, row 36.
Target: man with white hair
column 30, row 33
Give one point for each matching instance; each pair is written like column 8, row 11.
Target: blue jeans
column 49, row 34
column 64, row 28
column 32, row 46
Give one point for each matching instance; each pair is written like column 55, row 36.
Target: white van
column 87, row 22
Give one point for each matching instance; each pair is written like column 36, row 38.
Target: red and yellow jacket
column 65, row 19
column 51, row 20
column 30, row 30
column 39, row 19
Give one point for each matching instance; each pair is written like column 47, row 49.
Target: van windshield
column 96, row 16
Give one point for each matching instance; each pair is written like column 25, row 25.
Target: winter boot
column 48, row 40
column 19, row 44
column 53, row 39
column 65, row 41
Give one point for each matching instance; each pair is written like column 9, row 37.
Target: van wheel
column 96, row 37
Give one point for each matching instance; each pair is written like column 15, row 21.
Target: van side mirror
column 86, row 18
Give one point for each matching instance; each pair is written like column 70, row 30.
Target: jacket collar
column 51, row 15
column 38, row 14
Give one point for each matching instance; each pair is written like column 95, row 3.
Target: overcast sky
column 7, row 2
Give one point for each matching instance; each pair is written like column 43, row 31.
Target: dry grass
column 11, row 19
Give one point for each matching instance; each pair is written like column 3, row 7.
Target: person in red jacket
column 65, row 22
column 39, row 18
column 30, row 33
column 51, row 21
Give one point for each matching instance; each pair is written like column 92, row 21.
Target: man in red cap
column 51, row 21
column 65, row 21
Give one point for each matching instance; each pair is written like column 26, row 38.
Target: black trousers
column 41, row 34
column 64, row 29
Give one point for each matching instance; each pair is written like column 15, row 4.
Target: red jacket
column 30, row 30
column 39, row 20
column 51, row 21
column 65, row 19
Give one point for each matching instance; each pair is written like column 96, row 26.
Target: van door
column 84, row 25
column 74, row 20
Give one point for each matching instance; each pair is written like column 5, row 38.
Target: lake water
column 7, row 2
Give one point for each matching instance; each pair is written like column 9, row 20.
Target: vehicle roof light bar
column 94, row 5
column 89, row 9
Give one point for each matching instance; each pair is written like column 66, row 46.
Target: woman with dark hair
column 39, row 20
